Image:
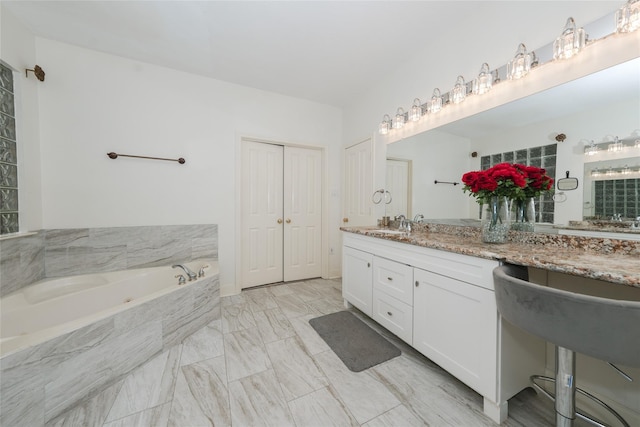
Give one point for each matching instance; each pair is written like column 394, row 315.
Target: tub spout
column 188, row 272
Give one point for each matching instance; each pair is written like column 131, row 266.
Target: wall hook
column 37, row 71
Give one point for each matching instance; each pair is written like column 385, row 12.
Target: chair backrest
column 603, row 328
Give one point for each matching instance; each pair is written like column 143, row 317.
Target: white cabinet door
column 358, row 185
column 455, row 325
column 357, row 276
column 262, row 209
column 303, row 213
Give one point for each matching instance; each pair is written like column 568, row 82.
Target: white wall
column 17, row 50
column 94, row 103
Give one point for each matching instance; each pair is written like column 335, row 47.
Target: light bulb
column 384, row 127
column 399, row 121
column 520, row 65
column 435, row 104
column 482, row 84
column 459, row 91
column 416, row 110
column 570, row 42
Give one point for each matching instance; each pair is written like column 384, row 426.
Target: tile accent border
column 66, row 252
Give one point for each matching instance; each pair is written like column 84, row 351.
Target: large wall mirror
column 598, row 107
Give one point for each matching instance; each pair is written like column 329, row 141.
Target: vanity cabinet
column 357, row 276
column 455, row 326
column 393, row 297
column 443, row 305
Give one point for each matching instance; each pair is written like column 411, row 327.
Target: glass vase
column 495, row 222
column 525, row 214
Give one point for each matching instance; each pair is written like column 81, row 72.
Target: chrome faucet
column 616, row 217
column 402, row 220
column 418, row 218
column 188, row 272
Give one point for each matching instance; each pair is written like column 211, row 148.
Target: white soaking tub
column 82, row 327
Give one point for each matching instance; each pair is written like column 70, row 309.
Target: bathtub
column 64, row 339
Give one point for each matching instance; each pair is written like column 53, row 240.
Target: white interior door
column 303, row 213
column 262, row 213
column 358, row 209
column 398, row 183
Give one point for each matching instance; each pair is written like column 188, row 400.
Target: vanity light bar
column 570, row 42
column 617, row 145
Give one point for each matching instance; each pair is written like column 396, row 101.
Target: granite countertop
column 604, row 226
column 610, row 260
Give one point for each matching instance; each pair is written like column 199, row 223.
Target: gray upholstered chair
column 607, row 329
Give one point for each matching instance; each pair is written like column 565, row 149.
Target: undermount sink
column 386, row 231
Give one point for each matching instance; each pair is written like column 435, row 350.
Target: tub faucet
column 188, row 272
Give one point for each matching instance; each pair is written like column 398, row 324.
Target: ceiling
column 324, row 51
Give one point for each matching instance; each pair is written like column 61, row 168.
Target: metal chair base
column 579, row 414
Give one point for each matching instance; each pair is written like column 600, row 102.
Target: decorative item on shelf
column 538, row 182
column 493, row 189
column 482, row 84
column 570, row 42
column 399, row 121
column 384, row 127
column 628, row 17
column 416, row 110
column 521, row 64
column 435, row 103
column 459, row 91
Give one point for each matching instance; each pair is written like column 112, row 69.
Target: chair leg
column 565, row 387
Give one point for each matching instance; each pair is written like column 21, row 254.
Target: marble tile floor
column 263, row 365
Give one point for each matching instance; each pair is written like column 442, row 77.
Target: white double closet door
column 281, row 213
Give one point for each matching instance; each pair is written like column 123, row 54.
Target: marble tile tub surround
column 67, row 252
column 41, row 382
column 609, row 260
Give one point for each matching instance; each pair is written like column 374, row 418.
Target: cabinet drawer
column 394, row 315
column 394, row 279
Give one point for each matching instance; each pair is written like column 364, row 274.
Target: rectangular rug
column 353, row 341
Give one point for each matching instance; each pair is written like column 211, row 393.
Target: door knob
column 345, row 219
column 279, row 220
column 288, row 221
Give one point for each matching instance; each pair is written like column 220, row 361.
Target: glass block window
column 544, row 157
column 8, row 158
column 617, row 196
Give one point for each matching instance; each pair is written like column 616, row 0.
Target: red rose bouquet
column 502, row 180
column 538, row 181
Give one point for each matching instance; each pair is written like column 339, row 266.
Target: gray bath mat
column 355, row 343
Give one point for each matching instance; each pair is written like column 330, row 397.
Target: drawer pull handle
column 417, row 283
column 390, row 279
column 389, row 313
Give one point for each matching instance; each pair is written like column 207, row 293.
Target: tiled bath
column 41, row 382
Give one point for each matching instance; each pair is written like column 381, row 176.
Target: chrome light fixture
column 628, row 17
column 570, row 42
column 459, row 92
column 416, row 110
column 616, row 146
column 435, row 104
column 520, row 65
column 482, row 83
column 399, row 121
column 591, row 149
column 384, row 127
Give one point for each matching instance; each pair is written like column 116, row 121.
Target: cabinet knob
column 368, row 264
column 288, row 221
column 390, row 279
column 417, row 283
column 279, row 220
column 345, row 219
column 389, row 313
